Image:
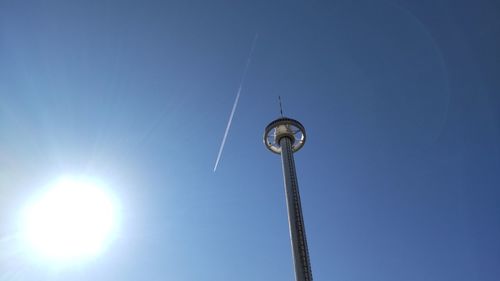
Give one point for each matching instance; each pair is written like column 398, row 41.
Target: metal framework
column 285, row 136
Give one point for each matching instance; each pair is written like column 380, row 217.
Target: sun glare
column 74, row 218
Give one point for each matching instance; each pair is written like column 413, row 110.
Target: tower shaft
column 295, row 218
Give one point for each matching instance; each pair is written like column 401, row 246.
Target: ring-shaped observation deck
column 284, row 127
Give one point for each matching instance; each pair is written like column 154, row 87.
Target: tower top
column 281, row 128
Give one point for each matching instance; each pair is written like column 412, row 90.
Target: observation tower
column 285, row 136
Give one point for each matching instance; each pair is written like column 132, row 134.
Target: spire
column 281, row 107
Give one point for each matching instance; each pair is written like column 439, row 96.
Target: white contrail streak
column 227, row 129
column 247, row 65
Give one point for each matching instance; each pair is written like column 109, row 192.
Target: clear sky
column 400, row 177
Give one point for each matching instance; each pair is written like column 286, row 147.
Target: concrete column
column 295, row 218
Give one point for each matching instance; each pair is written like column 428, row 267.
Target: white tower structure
column 285, row 136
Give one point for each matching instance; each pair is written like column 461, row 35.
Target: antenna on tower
column 281, row 107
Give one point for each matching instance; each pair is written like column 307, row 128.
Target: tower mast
column 285, row 136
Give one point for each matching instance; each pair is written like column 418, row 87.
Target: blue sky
column 399, row 178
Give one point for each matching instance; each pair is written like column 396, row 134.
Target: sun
column 74, row 218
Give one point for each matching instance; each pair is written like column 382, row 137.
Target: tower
column 285, row 136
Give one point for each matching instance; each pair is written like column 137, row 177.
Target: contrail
column 247, row 65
